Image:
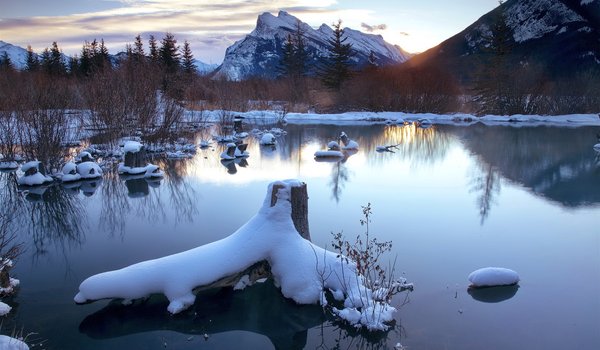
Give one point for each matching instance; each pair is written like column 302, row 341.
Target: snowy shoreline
column 367, row 118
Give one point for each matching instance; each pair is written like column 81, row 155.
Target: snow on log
column 493, row 276
column 329, row 154
column 303, row 270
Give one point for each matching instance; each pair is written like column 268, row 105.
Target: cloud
column 372, row 28
column 210, row 26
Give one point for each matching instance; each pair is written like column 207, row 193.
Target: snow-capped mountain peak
column 259, row 53
column 17, row 55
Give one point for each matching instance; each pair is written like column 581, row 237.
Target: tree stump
column 135, row 159
column 299, row 201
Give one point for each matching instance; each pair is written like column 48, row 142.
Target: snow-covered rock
column 8, row 165
column 229, row 152
column 333, row 146
column 179, row 155
column 493, row 276
column 89, row 170
column 597, row 147
column 348, row 144
column 4, row 309
column 84, row 156
column 153, row 171
column 240, row 151
column 267, row 139
column 69, row 173
column 33, row 176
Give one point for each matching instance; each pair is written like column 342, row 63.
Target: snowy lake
column 452, row 199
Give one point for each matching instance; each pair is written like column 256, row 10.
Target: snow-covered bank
column 572, row 120
column 304, row 271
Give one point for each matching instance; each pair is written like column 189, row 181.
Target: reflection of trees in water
column 339, row 177
column 485, row 182
column 115, row 205
column 49, row 215
column 123, row 196
column 555, row 162
column 181, row 193
column 416, row 145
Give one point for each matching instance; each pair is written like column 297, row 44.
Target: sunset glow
column 211, row 26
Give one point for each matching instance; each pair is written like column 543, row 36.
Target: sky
column 211, row 26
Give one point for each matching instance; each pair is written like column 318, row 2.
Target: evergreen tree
column 493, row 87
column 153, row 47
column 33, row 63
column 336, row 66
column 287, row 57
column 137, row 51
column 300, row 52
column 371, row 62
column 74, row 65
column 45, row 60
column 52, row 61
column 103, row 56
column 169, row 53
column 6, row 63
column 294, row 54
column 187, row 59
column 85, row 62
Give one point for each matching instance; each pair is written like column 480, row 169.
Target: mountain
column 259, row 53
column 557, row 37
column 204, row 68
column 17, row 55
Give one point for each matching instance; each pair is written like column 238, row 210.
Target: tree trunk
column 299, row 200
column 135, row 159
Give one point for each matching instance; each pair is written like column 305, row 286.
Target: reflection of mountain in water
column 557, row 163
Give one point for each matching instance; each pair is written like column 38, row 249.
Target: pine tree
column 169, row 53
column 294, row 54
column 187, row 59
column 287, row 57
column 492, row 88
column 103, row 56
column 300, row 52
column 371, row 62
column 6, row 63
column 73, row 65
column 137, row 51
column 33, row 63
column 336, row 67
column 85, row 62
column 52, row 61
column 153, row 47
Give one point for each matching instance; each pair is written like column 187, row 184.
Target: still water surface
column 452, row 200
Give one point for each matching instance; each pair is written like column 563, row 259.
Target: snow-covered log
column 303, row 270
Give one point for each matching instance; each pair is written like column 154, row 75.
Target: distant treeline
column 128, row 88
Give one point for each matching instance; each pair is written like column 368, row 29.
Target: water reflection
column 259, row 309
column 485, row 182
column 556, row 163
column 493, row 294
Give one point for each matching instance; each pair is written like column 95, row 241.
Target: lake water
column 452, row 199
